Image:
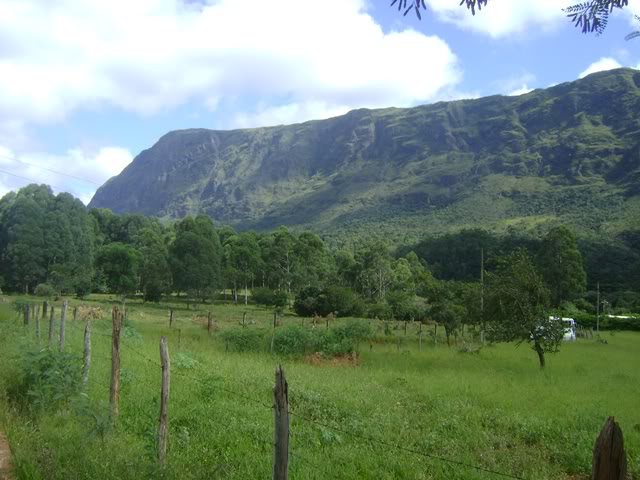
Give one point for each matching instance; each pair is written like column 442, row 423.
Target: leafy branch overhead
column 591, row 16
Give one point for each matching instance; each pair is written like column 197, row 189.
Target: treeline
column 52, row 245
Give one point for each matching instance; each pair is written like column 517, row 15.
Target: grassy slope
column 495, row 409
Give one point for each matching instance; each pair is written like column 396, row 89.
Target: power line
column 50, row 170
column 31, row 180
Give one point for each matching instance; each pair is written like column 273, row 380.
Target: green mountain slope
column 568, row 153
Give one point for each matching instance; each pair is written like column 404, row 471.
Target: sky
column 86, row 85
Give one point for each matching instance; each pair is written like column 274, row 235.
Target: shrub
column 45, row 290
column 243, row 339
column 294, row 340
column 338, row 300
column 380, row 311
column 270, row 298
column 48, row 379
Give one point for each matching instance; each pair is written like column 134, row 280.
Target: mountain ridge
column 496, row 161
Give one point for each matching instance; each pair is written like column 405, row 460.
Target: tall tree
column 561, row 263
column 118, row 264
column 517, row 306
column 196, row 257
column 243, row 256
column 155, row 272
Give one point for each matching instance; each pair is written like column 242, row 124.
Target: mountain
column 568, row 153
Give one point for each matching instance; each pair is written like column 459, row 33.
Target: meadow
column 395, row 412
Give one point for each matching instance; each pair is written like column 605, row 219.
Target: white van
column 569, row 328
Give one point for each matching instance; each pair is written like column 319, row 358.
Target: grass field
column 495, row 409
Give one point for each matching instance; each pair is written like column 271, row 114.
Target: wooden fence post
column 209, row 323
column 51, row 321
column 114, row 397
column 405, row 328
column 63, row 316
column 33, row 312
column 170, row 317
column 163, row 430
column 87, row 354
column 281, row 431
column 609, row 458
column 45, row 306
column 244, row 318
column 27, row 315
column 435, row 334
column 75, row 313
column 275, row 319
column 38, row 323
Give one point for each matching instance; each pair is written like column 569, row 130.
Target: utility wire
column 50, row 170
column 30, row 180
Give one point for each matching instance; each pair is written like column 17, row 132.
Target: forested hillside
column 52, row 245
column 568, row 154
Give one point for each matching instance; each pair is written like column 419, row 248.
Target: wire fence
column 153, row 389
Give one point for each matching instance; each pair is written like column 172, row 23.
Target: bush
column 381, row 311
column 338, row 300
column 270, row 298
column 83, row 287
column 243, row 339
column 294, row 340
column 345, row 339
column 45, row 290
column 48, row 379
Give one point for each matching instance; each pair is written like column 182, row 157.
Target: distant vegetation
column 52, row 246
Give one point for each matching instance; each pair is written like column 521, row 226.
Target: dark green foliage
column 119, row 264
column 45, row 290
column 517, row 306
column 196, row 256
column 270, row 298
column 450, row 315
column 294, row 340
column 338, row 301
column 155, row 272
column 48, row 380
column 561, row 265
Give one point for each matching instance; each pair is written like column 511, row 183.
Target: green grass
column 495, row 409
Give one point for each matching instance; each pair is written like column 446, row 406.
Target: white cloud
column 148, row 56
column 605, row 63
column 520, row 91
column 77, row 171
column 503, row 17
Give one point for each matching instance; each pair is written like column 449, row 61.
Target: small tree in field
column 517, row 306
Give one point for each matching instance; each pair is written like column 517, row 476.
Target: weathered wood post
column 170, row 317
column 51, row 322
column 114, row 397
column 244, row 318
column 45, row 306
column 163, row 429
column 609, row 458
column 75, row 313
column 38, row 323
column 209, row 323
column 63, row 316
column 435, row 334
column 33, row 312
column 27, row 315
column 87, row 354
column 281, row 431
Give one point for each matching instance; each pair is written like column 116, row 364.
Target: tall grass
column 494, row 409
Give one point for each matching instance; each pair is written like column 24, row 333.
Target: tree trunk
column 540, row 351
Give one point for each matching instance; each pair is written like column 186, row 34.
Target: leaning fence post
column 609, row 458
column 87, row 354
column 114, row 398
column 63, row 316
column 163, row 429
column 27, row 315
column 51, row 321
column 281, row 432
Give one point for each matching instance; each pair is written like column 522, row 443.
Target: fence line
column 280, row 406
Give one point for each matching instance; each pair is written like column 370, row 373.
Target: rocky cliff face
column 569, row 152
